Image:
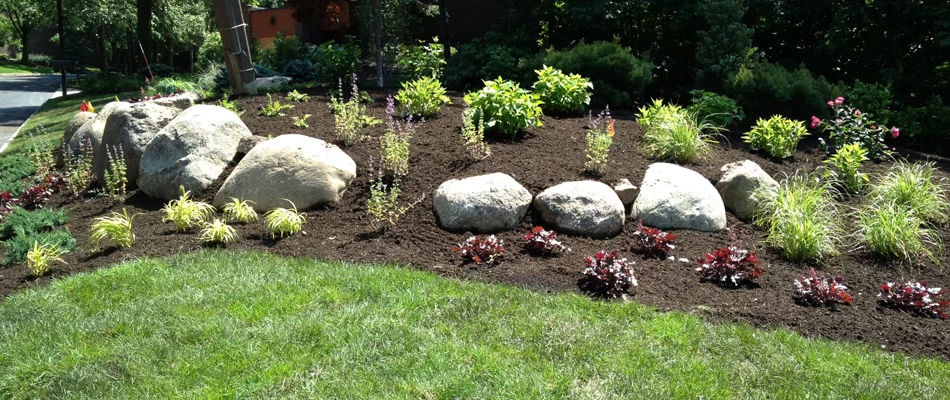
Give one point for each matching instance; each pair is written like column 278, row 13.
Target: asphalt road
column 20, row 97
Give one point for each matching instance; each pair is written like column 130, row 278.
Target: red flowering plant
column 611, row 274
column 850, row 125
column 481, row 249
column 652, row 242
column 543, row 242
column 730, row 266
column 915, row 297
column 813, row 290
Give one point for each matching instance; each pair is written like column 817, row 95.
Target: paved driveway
column 20, row 97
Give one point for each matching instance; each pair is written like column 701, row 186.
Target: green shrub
column 765, row 89
column 14, row 168
column 669, row 133
column 778, row 136
column 334, row 61
column 111, row 83
column 301, row 70
column 619, row 78
column 872, row 98
column 486, row 57
column 846, row 163
column 505, row 107
column 924, row 127
column 914, row 187
column 801, row 218
column 421, row 61
column 30, row 222
column 21, row 243
column 156, row 70
column 715, row 108
column 894, row 231
column 283, row 50
column 422, row 97
column 173, row 85
column 560, row 92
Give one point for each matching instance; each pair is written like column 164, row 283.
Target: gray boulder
column 586, row 208
column 484, row 204
column 267, row 83
column 626, row 191
column 130, row 129
column 92, row 130
column 191, row 151
column 738, row 186
column 76, row 122
column 673, row 197
column 307, row 171
column 180, row 101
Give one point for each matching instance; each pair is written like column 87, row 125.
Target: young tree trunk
column 379, row 44
column 25, row 45
column 144, row 25
column 101, row 49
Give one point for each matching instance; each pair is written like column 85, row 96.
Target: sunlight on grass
column 247, row 325
column 13, row 68
column 52, row 118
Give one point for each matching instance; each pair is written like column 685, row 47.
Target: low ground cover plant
column 505, row 107
column 542, row 242
column 850, row 125
column 301, row 122
column 116, row 228
column 239, row 211
column 913, row 186
column 778, row 136
column 482, row 249
column 814, row 290
column 846, row 164
column 274, row 108
column 600, row 136
column 652, row 242
column 611, row 274
column 730, row 266
column 672, row 134
column 716, row 109
column 802, row 218
column 422, row 97
column 217, row 231
column 185, row 212
column 25, row 221
column 562, row 93
column 915, row 297
column 13, row 168
column 895, row 231
column 473, row 136
column 40, row 259
column 21, row 243
column 284, row 222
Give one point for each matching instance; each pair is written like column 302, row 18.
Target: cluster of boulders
column 173, row 143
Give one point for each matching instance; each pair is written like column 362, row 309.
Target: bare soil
column 545, row 157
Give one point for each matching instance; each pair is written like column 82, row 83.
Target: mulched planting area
column 545, row 157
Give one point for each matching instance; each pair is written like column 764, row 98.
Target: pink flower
column 895, row 132
column 831, row 103
column 815, row 122
column 838, row 121
column 857, row 112
column 839, row 100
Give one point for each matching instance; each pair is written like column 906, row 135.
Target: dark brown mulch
column 547, row 156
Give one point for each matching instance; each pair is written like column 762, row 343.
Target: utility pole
column 237, row 50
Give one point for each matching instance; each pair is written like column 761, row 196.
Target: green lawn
column 50, row 121
column 13, row 68
column 219, row 324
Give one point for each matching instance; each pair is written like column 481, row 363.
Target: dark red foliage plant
column 813, row 290
column 915, row 297
column 7, row 203
column 652, row 242
column 730, row 266
column 482, row 249
column 543, row 242
column 36, row 197
column 612, row 274
column 56, row 182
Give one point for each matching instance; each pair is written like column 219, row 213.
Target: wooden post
column 237, row 50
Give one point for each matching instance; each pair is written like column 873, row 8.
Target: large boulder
column 76, row 122
column 127, row 132
column 191, row 151
column 307, row 171
column 586, row 208
column 92, row 130
column 742, row 186
column 485, row 203
column 673, row 197
column 181, row 101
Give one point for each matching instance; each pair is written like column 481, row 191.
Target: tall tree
column 25, row 16
column 725, row 43
column 143, row 27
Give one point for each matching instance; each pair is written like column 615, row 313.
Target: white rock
column 92, row 130
column 485, row 204
column 738, row 185
column 674, row 197
column 626, row 191
column 586, row 208
column 130, row 129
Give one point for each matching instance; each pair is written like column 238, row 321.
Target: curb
column 17, row 132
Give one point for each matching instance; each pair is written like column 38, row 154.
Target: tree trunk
column 379, row 45
column 144, row 25
column 25, row 42
column 101, row 48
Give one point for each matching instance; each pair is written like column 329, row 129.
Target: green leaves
column 778, row 136
column 560, row 92
column 505, row 107
column 422, row 97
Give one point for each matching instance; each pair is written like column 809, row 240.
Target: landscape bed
column 547, row 156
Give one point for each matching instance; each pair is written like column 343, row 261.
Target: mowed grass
column 50, row 121
column 14, row 68
column 218, row 324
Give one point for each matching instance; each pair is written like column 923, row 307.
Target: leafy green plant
column 116, row 227
column 41, row 154
column 894, row 231
column 422, row 97
column 619, row 77
column 505, row 107
column 383, row 204
column 273, row 108
column 421, row 61
column 672, row 134
column 301, row 122
column 284, row 222
column 349, row 116
column 185, row 212
column 297, row 97
column 41, row 257
column 801, row 218
column 847, row 163
column 717, row 109
column 394, row 144
column 217, row 231
column 116, row 180
column 13, row 168
column 334, row 60
column 850, row 125
column 600, row 135
column 78, row 168
column 778, row 136
column 240, row 211
column 914, row 187
column 473, row 136
column 560, row 92
column 231, row 106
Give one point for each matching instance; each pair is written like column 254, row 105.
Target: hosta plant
column 846, row 164
column 116, row 227
column 505, row 107
column 482, row 249
column 600, row 135
column 719, row 110
column 301, row 122
column 239, row 211
column 217, row 231
column 914, row 297
column 297, row 97
column 284, row 222
column 543, row 242
column 850, row 125
column 730, row 266
column 560, row 92
column 778, row 136
column 40, row 259
column 422, row 97
column 185, row 212
column 652, row 242
column 273, row 108
column 814, row 290
column 612, row 274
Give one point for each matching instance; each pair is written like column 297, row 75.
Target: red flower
column 815, row 122
column 895, row 132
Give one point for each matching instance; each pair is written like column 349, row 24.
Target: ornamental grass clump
column 284, row 222
column 116, row 227
column 600, row 135
column 778, row 136
column 217, row 231
column 895, row 232
column 610, row 274
column 40, row 259
column 801, row 218
column 185, row 212
column 239, row 211
column 671, row 134
column 914, row 187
